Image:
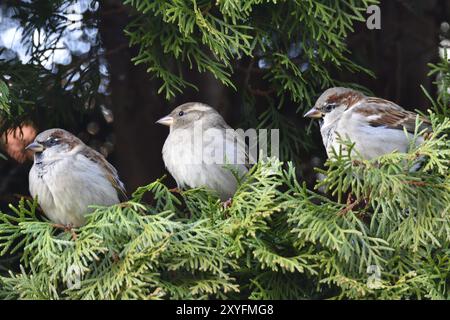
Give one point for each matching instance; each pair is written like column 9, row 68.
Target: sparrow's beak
column 35, row 147
column 313, row 113
column 166, row 121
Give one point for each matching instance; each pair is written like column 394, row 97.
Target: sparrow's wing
column 236, row 148
column 384, row 113
column 110, row 172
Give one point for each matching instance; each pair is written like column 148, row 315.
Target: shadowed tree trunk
column 135, row 105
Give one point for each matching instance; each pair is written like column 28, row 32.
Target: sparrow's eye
column 181, row 113
column 329, row 107
column 51, row 141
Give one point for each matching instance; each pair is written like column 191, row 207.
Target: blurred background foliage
column 107, row 70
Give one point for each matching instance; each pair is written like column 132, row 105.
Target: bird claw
column 227, row 204
column 115, row 257
column 356, row 163
column 175, row 190
column 66, row 228
column 20, row 196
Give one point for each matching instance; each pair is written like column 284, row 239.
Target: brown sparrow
column 202, row 150
column 14, row 141
column 376, row 126
column 68, row 176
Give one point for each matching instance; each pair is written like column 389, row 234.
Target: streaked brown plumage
column 68, row 176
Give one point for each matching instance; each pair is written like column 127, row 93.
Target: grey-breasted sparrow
column 376, row 126
column 202, row 150
column 68, row 176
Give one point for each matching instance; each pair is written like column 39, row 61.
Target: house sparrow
column 13, row 141
column 376, row 126
column 201, row 149
column 68, row 176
